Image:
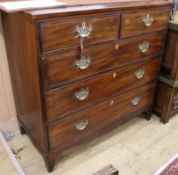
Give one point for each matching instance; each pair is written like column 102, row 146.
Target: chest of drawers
column 81, row 70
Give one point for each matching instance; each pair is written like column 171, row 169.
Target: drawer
column 66, row 100
column 61, row 34
column 61, row 69
column 84, row 123
column 140, row 22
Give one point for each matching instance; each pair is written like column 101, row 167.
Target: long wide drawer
column 66, row 33
column 61, row 69
column 63, row 101
column 144, row 21
column 72, row 129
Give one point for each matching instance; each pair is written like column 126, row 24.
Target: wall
column 7, row 107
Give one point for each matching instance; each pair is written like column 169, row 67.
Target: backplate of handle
column 136, row 100
column 83, row 31
column 144, row 47
column 83, row 63
column 82, row 94
column 81, row 125
column 148, row 20
column 140, row 73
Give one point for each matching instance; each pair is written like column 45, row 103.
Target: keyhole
column 114, row 75
column 117, row 46
column 111, row 102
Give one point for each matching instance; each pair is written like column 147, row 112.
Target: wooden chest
column 166, row 101
column 170, row 59
column 79, row 71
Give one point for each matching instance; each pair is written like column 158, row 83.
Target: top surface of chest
column 87, row 7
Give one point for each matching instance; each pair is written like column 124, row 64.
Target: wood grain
column 132, row 23
column 60, row 34
column 170, row 58
column 23, row 65
column 164, row 101
column 82, row 9
column 99, row 116
column 166, row 104
column 61, row 102
column 60, row 69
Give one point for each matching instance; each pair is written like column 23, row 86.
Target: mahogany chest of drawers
column 79, row 71
column 166, row 101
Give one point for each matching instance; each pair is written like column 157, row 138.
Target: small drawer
column 69, row 67
column 141, row 22
column 61, row 34
column 64, row 101
column 87, row 122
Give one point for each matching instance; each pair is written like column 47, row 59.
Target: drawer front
column 63, row 101
column 73, row 128
column 65, row 33
column 144, row 21
column 65, row 68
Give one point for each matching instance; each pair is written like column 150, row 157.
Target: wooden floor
column 138, row 147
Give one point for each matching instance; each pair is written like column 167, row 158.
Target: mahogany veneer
column 104, row 57
column 61, row 101
column 81, row 70
column 170, row 59
column 64, row 29
column 132, row 24
column 166, row 102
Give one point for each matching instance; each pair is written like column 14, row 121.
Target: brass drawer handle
column 83, row 63
column 84, row 30
column 82, row 94
column 136, row 100
column 144, row 47
column 140, row 73
column 81, row 125
column 148, row 20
